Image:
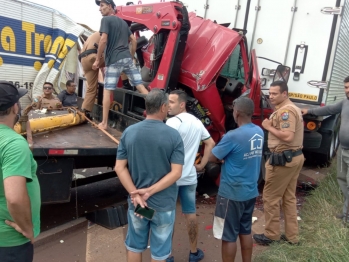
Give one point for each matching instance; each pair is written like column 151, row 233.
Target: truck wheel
column 327, row 150
column 324, row 158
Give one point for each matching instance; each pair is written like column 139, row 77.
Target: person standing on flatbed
column 115, row 37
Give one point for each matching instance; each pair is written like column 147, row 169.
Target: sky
column 80, row 11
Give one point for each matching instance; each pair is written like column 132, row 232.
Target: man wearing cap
column 19, row 187
column 115, row 35
column 68, row 97
column 47, row 99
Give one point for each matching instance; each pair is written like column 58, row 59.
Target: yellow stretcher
column 44, row 124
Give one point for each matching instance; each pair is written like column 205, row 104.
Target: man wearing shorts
column 241, row 149
column 115, row 35
column 149, row 162
column 192, row 132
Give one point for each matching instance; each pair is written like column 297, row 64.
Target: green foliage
column 322, row 236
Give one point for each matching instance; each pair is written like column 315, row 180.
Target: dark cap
column 9, row 95
column 109, row 2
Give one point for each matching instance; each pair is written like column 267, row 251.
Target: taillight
column 311, row 125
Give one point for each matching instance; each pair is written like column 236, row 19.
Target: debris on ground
column 206, row 196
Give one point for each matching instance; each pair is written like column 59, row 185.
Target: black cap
column 109, row 2
column 9, row 95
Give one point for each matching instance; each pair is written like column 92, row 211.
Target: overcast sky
column 80, row 11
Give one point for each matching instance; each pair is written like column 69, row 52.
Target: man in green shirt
column 19, row 187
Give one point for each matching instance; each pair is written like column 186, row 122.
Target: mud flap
column 110, row 217
column 55, row 177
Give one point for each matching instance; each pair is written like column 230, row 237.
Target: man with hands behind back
column 149, row 162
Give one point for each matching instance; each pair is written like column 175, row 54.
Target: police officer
column 47, row 99
column 87, row 58
column 285, row 139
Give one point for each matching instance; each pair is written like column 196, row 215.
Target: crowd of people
column 157, row 169
column 240, row 151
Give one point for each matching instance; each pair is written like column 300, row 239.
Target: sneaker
column 170, row 259
column 198, row 257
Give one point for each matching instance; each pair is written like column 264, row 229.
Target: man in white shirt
column 192, row 132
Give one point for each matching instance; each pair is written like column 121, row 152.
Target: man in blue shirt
column 149, row 162
column 241, row 149
column 69, row 97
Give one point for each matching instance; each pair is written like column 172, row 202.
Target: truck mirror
column 282, row 73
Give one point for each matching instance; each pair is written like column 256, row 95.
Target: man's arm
column 283, row 135
column 101, row 47
column 133, row 42
column 18, row 204
column 213, row 158
column 124, row 175
column 36, row 104
column 324, row 111
column 209, row 144
column 126, row 180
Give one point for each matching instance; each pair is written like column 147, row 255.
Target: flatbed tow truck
column 59, row 152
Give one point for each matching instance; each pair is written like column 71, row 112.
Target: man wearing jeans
column 343, row 150
column 149, row 162
column 115, row 35
column 192, row 132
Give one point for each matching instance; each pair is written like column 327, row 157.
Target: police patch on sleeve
column 285, row 125
column 284, row 115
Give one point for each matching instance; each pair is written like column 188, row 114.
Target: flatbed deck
column 75, row 140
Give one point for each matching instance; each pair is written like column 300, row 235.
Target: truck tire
column 328, row 148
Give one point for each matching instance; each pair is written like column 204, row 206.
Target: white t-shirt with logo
column 192, row 132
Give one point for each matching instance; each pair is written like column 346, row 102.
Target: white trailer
column 37, row 44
